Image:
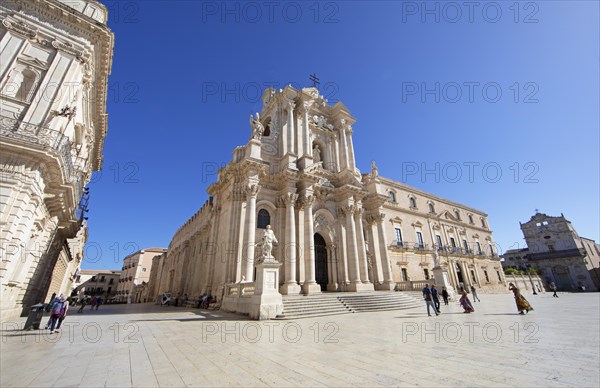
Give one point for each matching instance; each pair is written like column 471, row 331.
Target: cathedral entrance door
column 321, row 261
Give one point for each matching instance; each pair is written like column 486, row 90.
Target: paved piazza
column 147, row 345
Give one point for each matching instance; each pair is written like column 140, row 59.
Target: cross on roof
column 315, row 80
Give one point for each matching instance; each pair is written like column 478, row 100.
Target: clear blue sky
column 187, row 74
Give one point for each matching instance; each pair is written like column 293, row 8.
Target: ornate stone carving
column 68, row 48
column 321, row 122
column 252, row 190
column 375, row 218
column 321, row 220
column 20, row 27
column 257, row 128
column 288, row 199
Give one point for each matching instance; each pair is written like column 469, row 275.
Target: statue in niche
column 267, row 242
column 257, row 128
column 316, row 154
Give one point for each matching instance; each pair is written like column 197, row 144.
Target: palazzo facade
column 55, row 58
column 337, row 229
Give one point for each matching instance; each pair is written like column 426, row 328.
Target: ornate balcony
column 13, row 130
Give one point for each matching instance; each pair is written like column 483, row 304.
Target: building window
column 404, row 275
column 471, row 219
column 264, row 219
column 487, row 278
column 457, row 215
column 426, row 273
column 499, row 276
column 431, row 208
column 413, row 203
column 420, row 240
column 483, row 223
column 111, row 281
column 491, row 250
column 452, row 242
column 392, row 197
column 466, row 246
column 479, row 248
column 473, row 277
column 438, row 240
column 399, row 241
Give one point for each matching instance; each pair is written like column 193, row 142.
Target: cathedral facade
column 337, row 229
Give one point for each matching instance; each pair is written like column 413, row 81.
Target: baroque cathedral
column 337, row 229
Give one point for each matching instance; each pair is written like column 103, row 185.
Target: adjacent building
column 135, row 272
column 55, row 59
column 101, row 283
column 554, row 248
column 338, row 229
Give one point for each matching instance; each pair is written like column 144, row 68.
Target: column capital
column 306, row 201
column 288, row 199
column 252, row 191
column 375, row 218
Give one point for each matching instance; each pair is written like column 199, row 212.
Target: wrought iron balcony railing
column 38, row 136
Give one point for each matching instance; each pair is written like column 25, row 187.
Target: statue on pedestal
column 257, row 128
column 267, row 242
column 374, row 169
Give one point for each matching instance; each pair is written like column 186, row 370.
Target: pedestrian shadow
column 504, row 314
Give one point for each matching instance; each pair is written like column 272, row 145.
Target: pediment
column 396, row 220
column 417, row 224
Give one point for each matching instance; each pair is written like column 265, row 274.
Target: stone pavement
column 147, row 345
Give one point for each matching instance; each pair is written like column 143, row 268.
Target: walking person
column 553, row 288
column 98, row 302
column 82, row 303
column 445, row 295
column 436, row 298
column 58, row 311
column 474, row 292
column 93, row 303
column 466, row 303
column 429, row 300
column 522, row 303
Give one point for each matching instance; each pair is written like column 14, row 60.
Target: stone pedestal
column 360, row 286
column 253, row 149
column 311, row 288
column 442, row 279
column 266, row 302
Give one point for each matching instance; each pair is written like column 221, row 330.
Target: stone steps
column 304, row 306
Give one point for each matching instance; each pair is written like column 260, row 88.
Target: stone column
column 374, row 249
column 300, row 248
column 306, row 138
column 352, row 245
column 350, row 149
column 341, row 251
column 250, row 232
column 388, row 280
column 290, row 286
column 310, row 285
column 290, row 127
column 343, row 149
column 362, row 249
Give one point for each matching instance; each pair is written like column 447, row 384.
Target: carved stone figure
column 268, row 240
column 374, row 169
column 316, row 154
column 257, row 128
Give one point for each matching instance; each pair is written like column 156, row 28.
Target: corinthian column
column 388, row 281
column 306, row 138
column 250, row 231
column 290, row 286
column 290, row 127
column 310, row 284
column 352, row 248
column 362, row 251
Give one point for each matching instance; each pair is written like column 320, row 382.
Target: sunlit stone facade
column 337, row 229
column 55, row 58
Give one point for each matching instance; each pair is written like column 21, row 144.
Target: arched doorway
column 321, row 261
